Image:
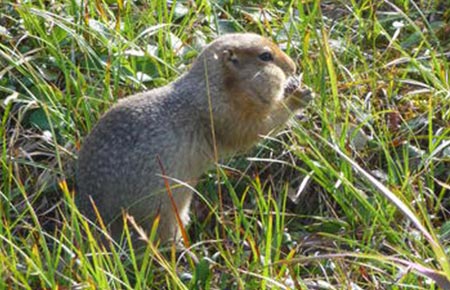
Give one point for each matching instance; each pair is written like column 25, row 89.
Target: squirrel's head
column 253, row 69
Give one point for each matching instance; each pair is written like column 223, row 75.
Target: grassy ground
column 355, row 195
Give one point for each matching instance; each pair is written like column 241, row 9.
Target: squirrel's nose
column 288, row 65
column 294, row 69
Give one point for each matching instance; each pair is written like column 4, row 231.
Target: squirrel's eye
column 266, row 56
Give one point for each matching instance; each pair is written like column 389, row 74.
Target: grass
column 355, row 195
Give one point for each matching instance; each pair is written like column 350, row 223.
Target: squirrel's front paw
column 297, row 94
column 302, row 96
column 292, row 84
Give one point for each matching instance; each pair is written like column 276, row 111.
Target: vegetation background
column 354, row 195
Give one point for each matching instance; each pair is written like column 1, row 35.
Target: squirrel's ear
column 229, row 56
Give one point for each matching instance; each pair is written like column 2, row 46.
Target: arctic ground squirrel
column 240, row 87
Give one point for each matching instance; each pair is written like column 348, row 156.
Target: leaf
column 4, row 32
column 100, row 28
column 39, row 120
column 202, row 275
column 226, row 26
column 180, row 10
column 143, row 77
column 444, row 233
column 176, row 44
column 412, row 40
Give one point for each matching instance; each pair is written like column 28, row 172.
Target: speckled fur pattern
column 118, row 162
